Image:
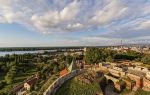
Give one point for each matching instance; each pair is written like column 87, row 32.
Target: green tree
column 9, row 78
column 69, row 59
column 146, row 59
column 109, row 59
column 56, row 69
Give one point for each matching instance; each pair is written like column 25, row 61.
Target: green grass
column 74, row 87
column 47, row 84
column 138, row 92
column 126, row 92
column 142, row 92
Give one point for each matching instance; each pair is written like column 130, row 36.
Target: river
column 3, row 53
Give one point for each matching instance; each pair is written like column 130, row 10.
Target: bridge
column 113, row 80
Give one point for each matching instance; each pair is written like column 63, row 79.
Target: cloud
column 112, row 11
column 145, row 25
column 76, row 26
column 54, row 19
column 50, row 16
column 70, row 11
column 121, row 19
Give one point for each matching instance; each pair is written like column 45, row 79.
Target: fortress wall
column 58, row 83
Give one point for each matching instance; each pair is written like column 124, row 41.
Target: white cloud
column 54, row 19
column 145, row 25
column 54, row 16
column 70, row 11
column 48, row 19
column 99, row 40
column 67, row 42
column 76, row 26
column 112, row 11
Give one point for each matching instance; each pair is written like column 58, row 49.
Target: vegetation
column 80, row 85
column 47, row 84
column 37, row 48
column 96, row 55
column 142, row 92
column 138, row 92
column 126, row 92
column 146, row 59
column 16, row 68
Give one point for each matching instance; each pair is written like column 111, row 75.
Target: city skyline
column 26, row 23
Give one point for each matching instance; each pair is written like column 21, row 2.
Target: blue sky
column 73, row 22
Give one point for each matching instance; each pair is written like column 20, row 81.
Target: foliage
column 129, row 55
column 69, row 59
column 146, row 59
column 47, row 84
column 142, row 92
column 2, row 84
column 74, row 87
column 96, row 55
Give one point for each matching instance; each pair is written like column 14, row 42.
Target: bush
column 146, row 59
column 2, row 84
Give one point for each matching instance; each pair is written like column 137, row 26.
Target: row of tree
column 96, row 55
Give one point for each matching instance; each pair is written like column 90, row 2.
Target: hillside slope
column 84, row 84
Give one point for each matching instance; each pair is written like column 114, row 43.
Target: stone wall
column 117, row 73
column 137, row 79
column 128, row 84
column 56, row 84
column 118, row 86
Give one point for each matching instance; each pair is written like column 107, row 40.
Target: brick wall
column 137, row 79
column 146, row 84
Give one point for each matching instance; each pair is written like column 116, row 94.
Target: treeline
column 37, row 48
column 96, row 55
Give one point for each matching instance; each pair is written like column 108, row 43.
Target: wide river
column 3, row 53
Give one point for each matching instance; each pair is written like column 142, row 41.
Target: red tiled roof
column 63, row 72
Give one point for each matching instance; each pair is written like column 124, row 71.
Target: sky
column 28, row 23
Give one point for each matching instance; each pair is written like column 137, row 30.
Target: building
column 148, row 75
column 29, row 83
column 64, row 72
column 72, row 67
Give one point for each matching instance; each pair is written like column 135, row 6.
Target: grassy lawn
column 73, row 87
column 125, row 92
column 47, row 84
column 138, row 92
column 84, row 84
column 24, row 76
column 141, row 92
